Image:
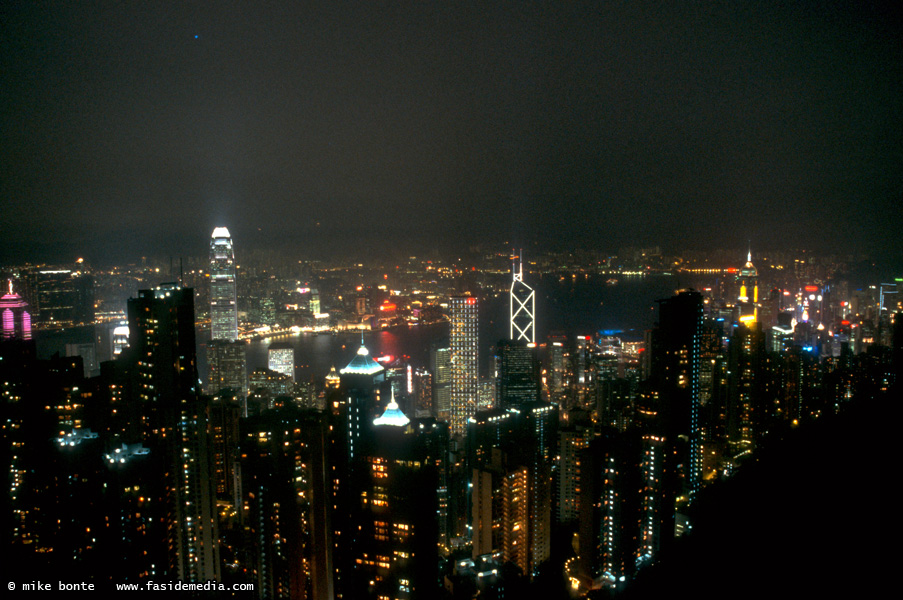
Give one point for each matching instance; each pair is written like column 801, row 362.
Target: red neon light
column 811, row 288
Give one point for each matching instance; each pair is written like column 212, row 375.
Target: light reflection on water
column 573, row 307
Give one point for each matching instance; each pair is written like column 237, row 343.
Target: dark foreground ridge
column 813, row 515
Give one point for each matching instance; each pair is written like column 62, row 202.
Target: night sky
column 133, row 128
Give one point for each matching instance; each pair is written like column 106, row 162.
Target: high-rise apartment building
column 465, row 381
column 747, row 405
column 174, row 425
column 440, row 365
column 223, row 306
column 285, row 479
column 511, row 454
column 226, row 364
column 675, row 368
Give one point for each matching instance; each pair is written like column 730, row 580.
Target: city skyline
column 357, row 485
column 562, row 300
column 133, row 129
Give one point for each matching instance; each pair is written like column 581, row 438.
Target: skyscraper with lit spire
column 522, row 311
column 16, row 319
column 749, row 291
column 225, row 352
column 223, row 306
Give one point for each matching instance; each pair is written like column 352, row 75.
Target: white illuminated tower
column 223, row 308
column 463, row 338
column 522, row 306
column 282, row 359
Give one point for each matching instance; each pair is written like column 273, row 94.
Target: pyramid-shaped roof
column 362, row 364
column 393, row 415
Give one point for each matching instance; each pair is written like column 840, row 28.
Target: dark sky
column 133, row 128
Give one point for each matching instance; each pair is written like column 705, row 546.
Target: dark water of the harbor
column 572, row 306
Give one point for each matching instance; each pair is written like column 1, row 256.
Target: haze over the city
column 134, row 128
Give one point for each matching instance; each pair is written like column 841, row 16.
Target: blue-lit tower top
column 392, row 415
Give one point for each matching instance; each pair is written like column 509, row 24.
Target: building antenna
column 181, row 273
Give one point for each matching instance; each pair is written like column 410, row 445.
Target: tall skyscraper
column 465, row 381
column 747, row 406
column 285, row 477
column 174, row 424
column 522, row 311
column 749, row 291
column 223, row 307
column 676, row 348
column 391, row 541
column 440, row 365
column 225, row 353
column 518, row 373
column 511, row 451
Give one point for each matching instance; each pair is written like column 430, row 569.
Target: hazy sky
column 133, row 128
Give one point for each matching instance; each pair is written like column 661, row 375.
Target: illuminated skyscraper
column 282, row 359
column 223, row 308
column 226, row 366
column 749, row 291
column 225, row 353
column 464, row 337
column 15, row 315
column 522, row 305
column 440, row 364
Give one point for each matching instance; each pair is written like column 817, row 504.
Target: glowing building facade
column 223, row 307
column 281, row 358
column 464, row 338
column 16, row 320
column 522, row 306
column 749, row 291
column 225, row 352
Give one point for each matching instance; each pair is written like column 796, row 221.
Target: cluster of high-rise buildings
column 410, row 481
